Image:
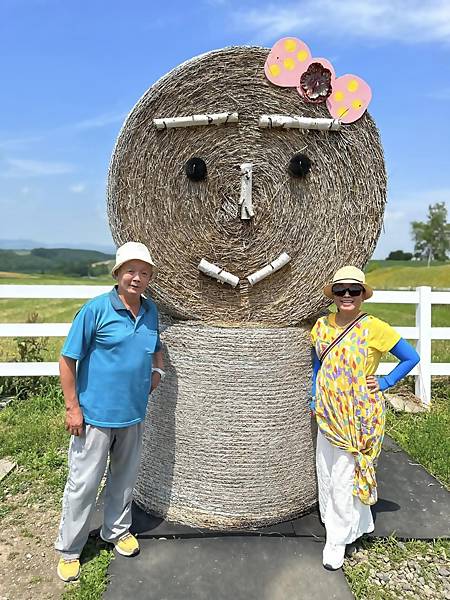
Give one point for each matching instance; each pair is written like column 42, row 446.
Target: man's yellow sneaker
column 68, row 570
column 127, row 545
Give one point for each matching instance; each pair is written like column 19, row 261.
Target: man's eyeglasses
column 353, row 290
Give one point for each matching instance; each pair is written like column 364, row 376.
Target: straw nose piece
column 245, row 200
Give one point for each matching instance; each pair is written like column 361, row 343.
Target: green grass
column 95, row 560
column 394, row 277
column 32, row 433
column 425, row 436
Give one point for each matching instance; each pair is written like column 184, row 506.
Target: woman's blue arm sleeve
column 316, row 367
column 408, row 358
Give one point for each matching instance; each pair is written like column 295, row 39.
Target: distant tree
column 399, row 255
column 432, row 239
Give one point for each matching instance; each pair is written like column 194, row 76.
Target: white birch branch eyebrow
column 195, row 120
column 245, row 200
column 287, row 122
column 217, row 273
column 275, row 265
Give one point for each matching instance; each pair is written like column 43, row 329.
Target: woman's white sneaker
column 333, row 556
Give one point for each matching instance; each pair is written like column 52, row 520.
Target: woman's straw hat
column 348, row 274
column 133, row 251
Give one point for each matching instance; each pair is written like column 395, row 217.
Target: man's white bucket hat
column 348, row 274
column 133, row 251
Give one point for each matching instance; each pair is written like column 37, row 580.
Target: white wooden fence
column 422, row 297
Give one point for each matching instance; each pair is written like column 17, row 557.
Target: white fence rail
column 423, row 298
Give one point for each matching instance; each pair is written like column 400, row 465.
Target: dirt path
column 27, row 558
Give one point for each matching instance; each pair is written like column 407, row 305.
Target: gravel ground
column 391, row 569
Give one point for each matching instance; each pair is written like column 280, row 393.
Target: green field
column 20, row 310
column 63, row 310
column 387, row 277
column 7, row 278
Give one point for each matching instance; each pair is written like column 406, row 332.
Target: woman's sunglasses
column 353, row 290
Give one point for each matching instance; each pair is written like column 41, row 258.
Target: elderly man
column 110, row 362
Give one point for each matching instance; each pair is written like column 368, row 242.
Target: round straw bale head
column 228, row 441
column 323, row 219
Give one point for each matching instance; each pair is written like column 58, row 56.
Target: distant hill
column 31, row 244
column 64, row 261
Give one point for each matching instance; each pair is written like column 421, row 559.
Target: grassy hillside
column 380, row 264
column 396, row 276
column 55, row 260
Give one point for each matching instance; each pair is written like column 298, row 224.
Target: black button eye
column 299, row 165
column 195, row 169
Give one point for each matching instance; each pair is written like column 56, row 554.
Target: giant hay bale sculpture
column 247, row 214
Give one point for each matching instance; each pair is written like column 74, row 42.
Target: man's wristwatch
column 160, row 371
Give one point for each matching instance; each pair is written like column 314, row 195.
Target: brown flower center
column 315, row 83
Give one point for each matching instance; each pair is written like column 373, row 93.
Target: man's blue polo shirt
column 114, row 353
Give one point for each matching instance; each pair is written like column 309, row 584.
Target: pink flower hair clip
column 290, row 64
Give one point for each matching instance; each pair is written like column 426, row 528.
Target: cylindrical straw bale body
column 228, row 441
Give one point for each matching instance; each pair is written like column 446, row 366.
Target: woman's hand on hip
column 372, row 384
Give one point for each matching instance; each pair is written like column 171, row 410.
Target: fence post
column 423, row 323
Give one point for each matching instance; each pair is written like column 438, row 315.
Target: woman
column 349, row 407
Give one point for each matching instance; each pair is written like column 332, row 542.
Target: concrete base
column 221, row 568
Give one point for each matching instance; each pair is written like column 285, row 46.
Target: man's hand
column 156, row 380
column 372, row 384
column 74, row 421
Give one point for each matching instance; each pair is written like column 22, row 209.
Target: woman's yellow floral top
column 351, row 417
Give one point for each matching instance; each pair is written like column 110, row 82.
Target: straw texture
column 228, row 437
column 330, row 218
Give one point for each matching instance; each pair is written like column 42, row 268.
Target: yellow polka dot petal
column 342, row 110
column 357, row 103
column 274, row 70
column 289, row 64
column 338, row 96
column 290, row 45
column 352, row 85
column 302, row 55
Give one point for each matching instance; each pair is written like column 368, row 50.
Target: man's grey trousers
column 88, row 457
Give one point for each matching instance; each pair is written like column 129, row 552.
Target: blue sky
column 71, row 70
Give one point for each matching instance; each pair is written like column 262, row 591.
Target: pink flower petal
column 287, row 60
column 350, row 98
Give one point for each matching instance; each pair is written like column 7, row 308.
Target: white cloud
column 100, row 121
column 77, row 188
column 401, row 20
column 25, row 190
column 404, row 208
column 16, row 167
column 442, row 94
column 394, row 215
column 18, row 142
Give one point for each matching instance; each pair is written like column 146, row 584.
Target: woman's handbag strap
column 341, row 336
